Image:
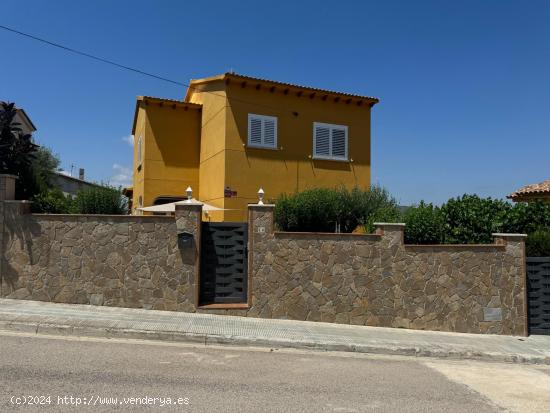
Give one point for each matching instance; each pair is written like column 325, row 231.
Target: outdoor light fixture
column 189, row 192
column 261, row 196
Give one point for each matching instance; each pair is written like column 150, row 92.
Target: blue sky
column 464, row 85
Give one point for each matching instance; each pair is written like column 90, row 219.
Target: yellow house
column 233, row 134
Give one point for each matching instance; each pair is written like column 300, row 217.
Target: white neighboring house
column 70, row 185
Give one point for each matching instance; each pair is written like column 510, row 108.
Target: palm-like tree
column 16, row 148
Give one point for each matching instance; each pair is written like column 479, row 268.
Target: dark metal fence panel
column 538, row 292
column 223, row 263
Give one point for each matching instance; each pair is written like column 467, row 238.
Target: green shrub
column 100, row 200
column 52, row 201
column 538, row 243
column 471, row 219
column 330, row 210
column 313, row 210
column 527, row 218
column 423, row 225
column 385, row 213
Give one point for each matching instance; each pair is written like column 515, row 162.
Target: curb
column 41, row 328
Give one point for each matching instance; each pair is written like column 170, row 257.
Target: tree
column 34, row 165
column 17, row 149
column 38, row 178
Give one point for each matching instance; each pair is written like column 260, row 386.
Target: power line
column 121, row 66
column 69, row 49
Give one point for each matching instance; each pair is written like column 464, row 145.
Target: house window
column 262, row 131
column 330, row 141
column 139, row 150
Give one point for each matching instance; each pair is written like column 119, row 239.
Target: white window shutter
column 322, row 141
column 270, row 131
column 330, row 141
column 339, row 143
column 262, row 131
column 255, row 131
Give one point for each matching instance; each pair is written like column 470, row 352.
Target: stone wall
column 125, row 261
column 377, row 280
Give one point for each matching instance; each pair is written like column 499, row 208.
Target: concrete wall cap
column 9, row 176
column 389, row 224
column 186, row 204
column 499, row 234
column 261, row 206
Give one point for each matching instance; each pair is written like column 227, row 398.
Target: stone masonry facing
column 375, row 279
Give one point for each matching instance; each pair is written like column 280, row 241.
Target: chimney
column 81, row 174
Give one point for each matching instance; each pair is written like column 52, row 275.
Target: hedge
column 334, row 210
column 95, row 200
column 470, row 219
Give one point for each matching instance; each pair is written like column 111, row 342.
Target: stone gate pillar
column 7, row 187
column 260, row 232
column 512, row 285
column 188, row 225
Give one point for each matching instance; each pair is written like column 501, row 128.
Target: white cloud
column 122, row 176
column 64, row 172
column 129, row 139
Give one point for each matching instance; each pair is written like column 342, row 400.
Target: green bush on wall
column 423, row 225
column 527, row 218
column 100, row 200
column 472, row 220
column 52, row 201
column 538, row 243
column 468, row 219
column 96, row 200
column 330, row 210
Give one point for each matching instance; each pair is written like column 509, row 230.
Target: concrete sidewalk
column 110, row 322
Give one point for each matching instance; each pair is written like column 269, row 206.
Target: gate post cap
column 504, row 235
column 189, row 205
column 261, row 206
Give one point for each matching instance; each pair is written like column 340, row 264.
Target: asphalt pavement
column 70, row 374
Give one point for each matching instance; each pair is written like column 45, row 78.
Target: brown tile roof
column 533, row 189
column 181, row 102
column 231, row 75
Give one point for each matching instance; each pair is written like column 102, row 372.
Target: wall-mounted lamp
column 261, row 196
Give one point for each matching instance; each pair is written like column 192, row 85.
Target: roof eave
column 371, row 101
column 27, row 119
column 140, row 99
column 195, row 82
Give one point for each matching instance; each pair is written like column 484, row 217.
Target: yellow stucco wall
column 170, row 151
column 212, row 149
column 138, row 176
column 175, row 156
column 290, row 168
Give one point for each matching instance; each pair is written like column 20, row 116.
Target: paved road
column 240, row 380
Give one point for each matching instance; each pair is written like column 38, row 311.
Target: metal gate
column 224, row 263
column 538, row 293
